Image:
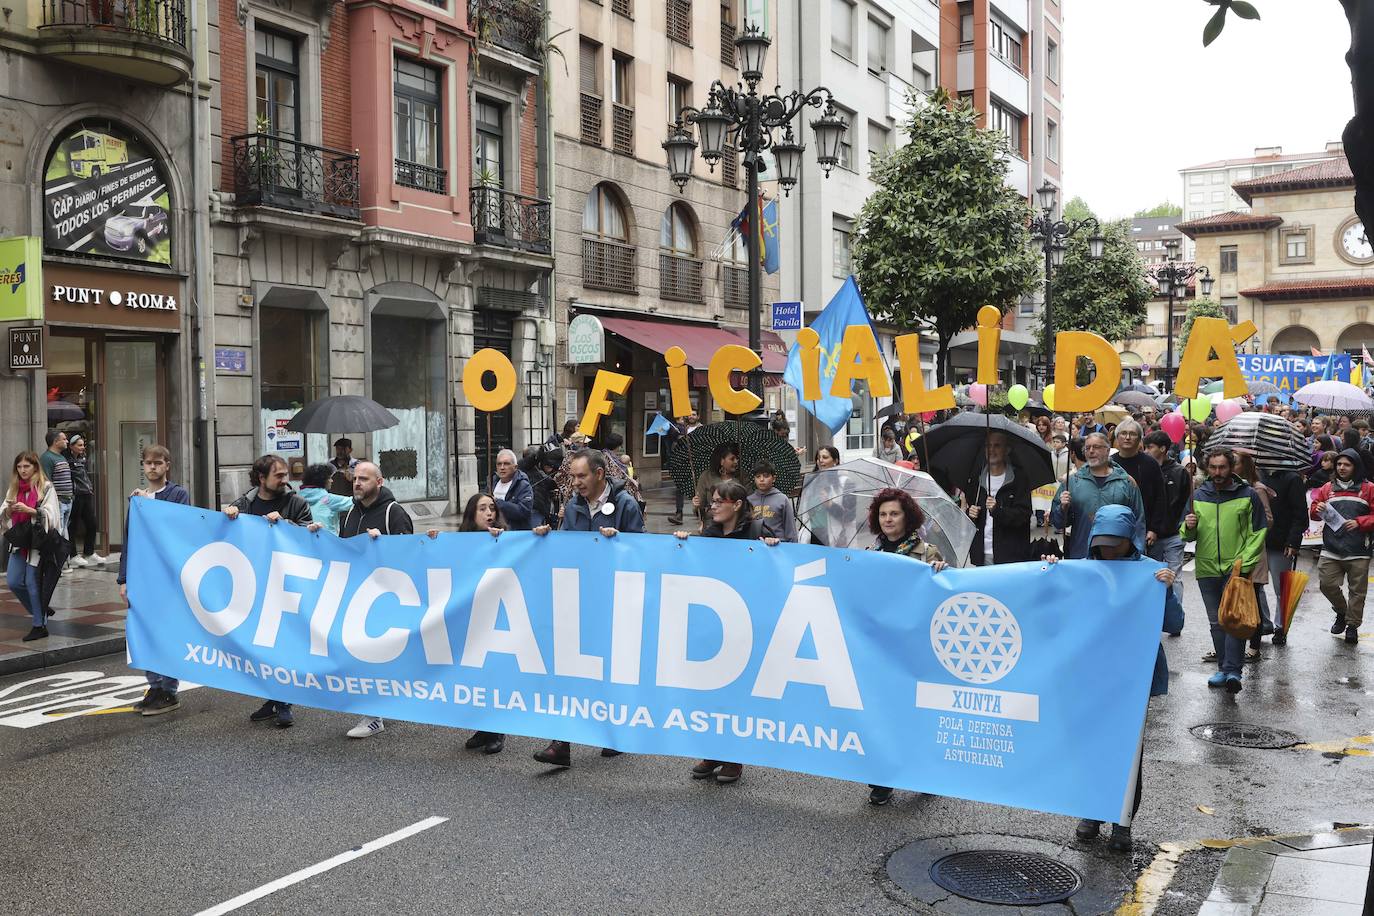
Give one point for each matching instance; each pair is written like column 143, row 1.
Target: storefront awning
column 697, row 341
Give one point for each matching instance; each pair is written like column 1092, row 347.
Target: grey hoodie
column 774, row 510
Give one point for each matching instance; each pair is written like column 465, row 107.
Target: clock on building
column 1352, row 242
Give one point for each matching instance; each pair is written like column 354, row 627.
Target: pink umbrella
column 1332, row 395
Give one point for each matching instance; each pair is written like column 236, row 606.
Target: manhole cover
column 1238, row 734
column 995, row 876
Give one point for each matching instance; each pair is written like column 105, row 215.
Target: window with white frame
column 842, row 254
column 1008, row 121
column 1006, row 40
column 842, row 28
column 1051, row 141
column 1296, row 246
column 877, row 45
column 846, row 147
column 1052, row 59
column 879, row 141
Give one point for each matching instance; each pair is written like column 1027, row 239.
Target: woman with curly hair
column 896, row 520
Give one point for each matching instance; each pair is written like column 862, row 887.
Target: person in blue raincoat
column 1117, row 536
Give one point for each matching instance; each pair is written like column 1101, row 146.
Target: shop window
column 294, row 370
column 408, row 380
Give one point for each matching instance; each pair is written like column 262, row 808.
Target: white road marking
column 272, row 887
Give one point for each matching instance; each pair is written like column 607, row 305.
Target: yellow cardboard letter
column 860, row 358
column 478, row 395
column 915, row 397
column 732, row 358
column 678, row 387
column 989, row 340
column 1069, row 346
column 1209, row 354
column 810, row 343
column 599, row 403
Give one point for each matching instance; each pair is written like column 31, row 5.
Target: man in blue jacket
column 513, row 492
column 157, row 464
column 1098, row 483
column 600, row 505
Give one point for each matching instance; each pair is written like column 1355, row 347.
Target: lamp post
column 1050, row 234
column 1172, row 278
column 749, row 117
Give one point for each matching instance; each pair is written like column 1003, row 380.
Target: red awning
column 699, row 342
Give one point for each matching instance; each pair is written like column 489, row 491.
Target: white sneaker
column 80, row 561
column 366, row 728
column 97, row 559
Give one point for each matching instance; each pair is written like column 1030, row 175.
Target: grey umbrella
column 342, row 413
column 1135, row 399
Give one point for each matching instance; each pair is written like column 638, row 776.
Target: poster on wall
column 105, row 193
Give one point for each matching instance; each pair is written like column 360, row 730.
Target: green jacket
column 1230, row 524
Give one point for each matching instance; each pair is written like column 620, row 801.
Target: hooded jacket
column 1230, row 525
column 326, row 507
column 1086, row 497
column 518, row 505
column 1289, row 507
column 289, row 505
column 624, row 516
column 385, row 514
column 1118, row 521
column 1357, row 502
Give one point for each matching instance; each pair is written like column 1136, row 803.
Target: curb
column 90, row 649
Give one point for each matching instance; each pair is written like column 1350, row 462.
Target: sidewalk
column 1320, row 875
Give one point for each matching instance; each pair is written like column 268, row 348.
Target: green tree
column 943, row 235
column 1198, row 308
column 1107, row 296
column 1162, row 209
column 1077, row 208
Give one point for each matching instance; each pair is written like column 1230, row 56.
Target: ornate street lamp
column 1051, row 234
column 1172, row 279
column 748, row 117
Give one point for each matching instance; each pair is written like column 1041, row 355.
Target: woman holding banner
column 896, row 520
column 729, row 516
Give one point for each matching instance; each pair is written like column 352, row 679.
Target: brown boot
column 557, row 754
column 705, row 769
column 730, row 772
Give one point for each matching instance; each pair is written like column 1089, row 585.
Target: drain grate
column 997, row 876
column 1239, row 734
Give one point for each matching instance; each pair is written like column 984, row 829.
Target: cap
column 343, row 443
column 1108, row 540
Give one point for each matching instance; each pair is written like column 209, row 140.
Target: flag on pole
column 846, row 308
column 1329, row 373
column 659, row 427
column 1316, row 352
column 1364, row 355
column 768, row 240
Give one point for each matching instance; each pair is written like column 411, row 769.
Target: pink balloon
column 978, row 394
column 1174, row 426
column 1226, row 410
column 928, row 416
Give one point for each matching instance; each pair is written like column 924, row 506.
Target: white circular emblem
column 976, row 638
column 607, row 509
column 116, row 297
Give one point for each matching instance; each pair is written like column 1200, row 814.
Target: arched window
column 677, row 234
column 1294, row 340
column 603, row 216
column 1355, row 338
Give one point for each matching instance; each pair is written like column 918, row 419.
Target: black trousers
column 83, row 516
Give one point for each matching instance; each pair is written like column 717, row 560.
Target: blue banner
column 998, row 685
column 1289, row 373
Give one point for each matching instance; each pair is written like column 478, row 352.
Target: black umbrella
column 957, row 450
column 1140, row 387
column 342, row 413
column 691, row 457
column 892, row 410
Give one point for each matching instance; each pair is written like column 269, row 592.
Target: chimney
column 1262, row 151
column 1335, row 146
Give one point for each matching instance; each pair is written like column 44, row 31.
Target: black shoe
column 1338, row 627
column 1280, row 637
column 151, row 694
column 165, row 701
column 496, row 745
column 1121, row 839
column 675, row 520
column 36, row 633
column 705, row 769
column 48, row 612
column 479, row 739
column 266, row 711
column 285, row 719
column 557, row 754
column 610, row 752
column 879, row 795
column 1352, row 635
column 1087, row 829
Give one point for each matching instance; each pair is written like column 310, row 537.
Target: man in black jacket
column 375, row 512
column 273, row 499
column 1145, row 471
column 1004, row 498
column 1178, row 490
column 1281, row 544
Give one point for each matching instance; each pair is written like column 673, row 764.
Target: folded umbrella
column 1291, row 585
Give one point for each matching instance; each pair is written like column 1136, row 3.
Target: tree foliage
column 1077, row 208
column 1198, row 308
column 1107, row 296
column 943, row 235
column 1161, row 209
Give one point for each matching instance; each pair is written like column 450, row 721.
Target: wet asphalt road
column 116, row 813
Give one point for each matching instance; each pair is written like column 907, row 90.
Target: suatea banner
column 998, row 685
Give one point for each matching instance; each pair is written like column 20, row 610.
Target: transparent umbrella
column 834, row 507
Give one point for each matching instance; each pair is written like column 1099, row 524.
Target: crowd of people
column 1121, row 491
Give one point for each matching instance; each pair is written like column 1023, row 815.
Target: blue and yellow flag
column 768, row 240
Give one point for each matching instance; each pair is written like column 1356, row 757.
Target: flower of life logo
column 976, row 638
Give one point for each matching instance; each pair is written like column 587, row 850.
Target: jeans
column 1279, row 563
column 162, row 682
column 1169, row 551
column 66, row 510
column 1230, row 651
column 22, row 579
column 1331, row 573
column 83, row 515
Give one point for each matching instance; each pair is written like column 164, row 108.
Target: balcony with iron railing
column 513, row 25
column 679, row 277
column 272, row 171
column 609, row 265
column 734, row 286
column 509, row 220
column 421, row 177
column 623, row 129
column 143, row 40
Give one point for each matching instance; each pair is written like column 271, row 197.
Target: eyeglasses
column 722, row 502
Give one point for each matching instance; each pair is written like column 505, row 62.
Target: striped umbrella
column 1272, row 439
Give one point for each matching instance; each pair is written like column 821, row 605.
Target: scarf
column 1338, row 484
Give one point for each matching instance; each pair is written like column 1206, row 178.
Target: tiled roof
column 1231, row 221
column 1320, row 288
column 1333, row 173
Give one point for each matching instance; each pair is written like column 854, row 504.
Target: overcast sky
column 1281, row 81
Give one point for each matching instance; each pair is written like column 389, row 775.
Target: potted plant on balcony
column 486, row 207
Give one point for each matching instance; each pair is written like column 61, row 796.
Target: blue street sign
column 787, row 316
